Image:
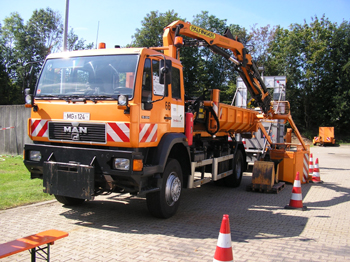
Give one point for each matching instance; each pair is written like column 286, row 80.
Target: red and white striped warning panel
column 306, row 168
column 216, row 108
column 4, row 128
column 39, row 128
column 148, row 133
column 118, row 132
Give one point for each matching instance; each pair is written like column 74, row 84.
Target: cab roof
column 110, row 51
column 96, row 52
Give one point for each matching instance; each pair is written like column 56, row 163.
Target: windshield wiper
column 73, row 98
column 102, row 97
column 46, row 97
column 79, row 98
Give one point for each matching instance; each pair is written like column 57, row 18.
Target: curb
column 30, row 205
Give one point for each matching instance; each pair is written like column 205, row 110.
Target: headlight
column 121, row 163
column 35, row 155
column 122, row 100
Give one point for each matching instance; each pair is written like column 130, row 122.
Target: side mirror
column 147, row 106
column 165, row 72
column 29, row 100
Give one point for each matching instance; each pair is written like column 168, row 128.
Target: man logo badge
column 75, row 131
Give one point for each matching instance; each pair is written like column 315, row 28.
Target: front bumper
column 85, row 170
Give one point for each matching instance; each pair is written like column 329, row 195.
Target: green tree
column 339, row 76
column 12, row 32
column 213, row 70
column 30, row 42
column 12, row 35
column 203, row 70
column 313, row 57
column 25, row 43
column 44, row 32
column 5, row 83
column 259, row 41
column 151, row 32
column 74, row 43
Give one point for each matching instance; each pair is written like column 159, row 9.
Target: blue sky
column 118, row 19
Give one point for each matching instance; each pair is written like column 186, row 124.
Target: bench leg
column 43, row 252
column 33, row 254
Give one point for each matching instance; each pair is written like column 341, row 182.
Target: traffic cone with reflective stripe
column 296, row 200
column 311, row 166
column 316, row 174
column 223, row 250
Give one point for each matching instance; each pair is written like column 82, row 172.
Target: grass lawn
column 16, row 187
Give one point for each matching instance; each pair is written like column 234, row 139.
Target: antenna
column 98, row 26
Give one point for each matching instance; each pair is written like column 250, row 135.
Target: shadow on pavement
column 252, row 215
column 344, row 195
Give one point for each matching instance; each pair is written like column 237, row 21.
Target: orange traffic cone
column 311, row 166
column 296, row 200
column 223, row 250
column 316, row 174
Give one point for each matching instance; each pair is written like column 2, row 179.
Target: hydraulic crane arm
column 242, row 60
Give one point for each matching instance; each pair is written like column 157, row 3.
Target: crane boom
column 240, row 57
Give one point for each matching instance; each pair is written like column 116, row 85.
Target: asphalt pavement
column 119, row 227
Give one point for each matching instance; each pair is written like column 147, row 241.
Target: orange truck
column 325, row 136
column 117, row 121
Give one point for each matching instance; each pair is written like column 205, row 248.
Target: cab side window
column 158, row 89
column 147, row 82
column 175, row 83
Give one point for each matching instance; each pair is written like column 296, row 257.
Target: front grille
column 82, row 132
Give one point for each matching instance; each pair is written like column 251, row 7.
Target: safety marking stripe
column 224, row 240
column 297, row 183
column 306, row 168
column 118, row 132
column 297, row 197
column 39, row 128
column 148, row 133
column 215, row 108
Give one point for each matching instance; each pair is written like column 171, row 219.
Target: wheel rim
column 172, row 189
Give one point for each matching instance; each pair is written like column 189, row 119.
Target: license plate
column 76, row 116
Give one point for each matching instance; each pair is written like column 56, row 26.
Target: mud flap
column 70, row 180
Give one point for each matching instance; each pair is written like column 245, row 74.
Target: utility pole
column 65, row 33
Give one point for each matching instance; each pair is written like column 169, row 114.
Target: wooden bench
column 33, row 243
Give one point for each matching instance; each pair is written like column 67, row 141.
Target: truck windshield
column 95, row 76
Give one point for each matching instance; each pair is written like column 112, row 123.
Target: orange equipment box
column 293, row 161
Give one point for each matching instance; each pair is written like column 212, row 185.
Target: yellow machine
column 116, row 121
column 325, row 136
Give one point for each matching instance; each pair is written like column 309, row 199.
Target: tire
column 235, row 179
column 164, row 203
column 69, row 201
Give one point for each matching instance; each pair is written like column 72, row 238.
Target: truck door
column 162, row 115
column 177, row 102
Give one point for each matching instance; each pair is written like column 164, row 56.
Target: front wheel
column 164, row 203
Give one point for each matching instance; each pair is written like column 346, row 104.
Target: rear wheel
column 164, row 203
column 69, row 201
column 235, row 179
